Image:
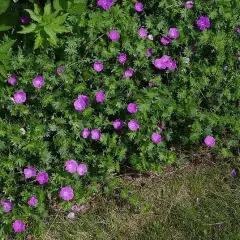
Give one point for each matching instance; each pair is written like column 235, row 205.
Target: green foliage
column 5, row 56
column 46, row 26
column 70, row 6
column 200, row 98
column 4, row 6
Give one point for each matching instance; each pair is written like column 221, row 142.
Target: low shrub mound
column 121, row 84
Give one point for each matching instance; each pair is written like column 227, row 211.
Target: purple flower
column 128, row 73
column 172, row 65
column 12, row 80
column 60, row 70
column 160, row 64
column 114, row 35
column 100, row 97
column 29, row 172
column 165, row 62
column 160, row 125
column 95, row 134
column 133, row 125
column 33, row 201
column 173, row 33
column 139, row 6
column 156, row 138
column 71, row 166
column 150, row 37
column 18, row 226
column 149, row 52
column 234, row 173
column 238, row 54
column 42, row 178
column 165, row 40
column 82, row 169
column 189, row 4
column 81, row 103
column 118, row 124
column 67, row 193
column 122, row 58
column 75, row 208
column 150, row 84
column 84, row 98
column 20, row 97
column 142, row 33
column 98, row 66
column 209, row 141
column 85, row 133
column 25, row 19
column 105, row 4
column 132, row 108
column 238, row 29
column 203, row 23
column 38, row 82
column 7, row 205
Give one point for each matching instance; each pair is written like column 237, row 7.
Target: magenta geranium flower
column 173, row 33
column 60, row 70
column 160, row 64
column 12, row 80
column 149, row 52
column 25, row 19
column 118, row 124
column 132, row 108
column 139, row 6
column 142, row 33
column 203, row 23
column 165, row 62
column 114, row 35
column 133, row 125
column 156, row 138
column 42, row 178
column 209, row 141
column 189, row 4
column 172, row 65
column 29, row 172
column 7, row 205
column 67, row 193
column 165, row 40
column 100, row 97
column 105, row 4
column 38, row 82
column 98, row 66
column 128, row 73
column 71, row 166
column 122, row 58
column 84, row 98
column 79, row 105
column 96, row 134
column 20, row 97
column 32, row 201
column 85, row 133
column 82, row 169
column 18, row 226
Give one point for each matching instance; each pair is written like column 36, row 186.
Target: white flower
column 23, row 131
column 186, row 60
column 71, row 215
column 150, row 37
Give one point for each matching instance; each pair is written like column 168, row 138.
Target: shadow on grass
column 197, row 202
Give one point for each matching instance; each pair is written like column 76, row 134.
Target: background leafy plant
column 46, row 26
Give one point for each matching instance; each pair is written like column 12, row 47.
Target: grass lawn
column 196, row 202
